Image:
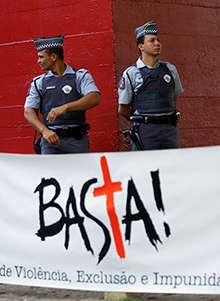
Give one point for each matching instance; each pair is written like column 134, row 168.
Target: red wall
column 88, row 44
column 189, row 30
column 190, row 35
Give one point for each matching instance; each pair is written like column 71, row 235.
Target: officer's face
column 152, row 45
column 45, row 61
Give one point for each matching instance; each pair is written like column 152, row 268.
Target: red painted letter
column 108, row 189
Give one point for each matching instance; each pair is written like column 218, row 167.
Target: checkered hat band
column 50, row 45
column 153, row 31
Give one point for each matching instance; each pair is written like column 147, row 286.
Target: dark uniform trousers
column 158, row 136
column 68, row 145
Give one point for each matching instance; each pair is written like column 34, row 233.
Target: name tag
column 51, row 87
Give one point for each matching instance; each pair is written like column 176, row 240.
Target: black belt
column 157, row 118
column 77, row 131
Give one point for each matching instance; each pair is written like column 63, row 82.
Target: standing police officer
column 149, row 90
column 63, row 95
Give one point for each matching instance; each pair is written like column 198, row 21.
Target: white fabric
column 186, row 261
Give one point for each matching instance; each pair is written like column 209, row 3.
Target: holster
column 37, row 148
column 134, row 136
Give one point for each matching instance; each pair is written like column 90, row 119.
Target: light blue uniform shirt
column 84, row 85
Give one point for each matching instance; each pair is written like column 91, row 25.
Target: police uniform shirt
column 125, row 90
column 84, row 85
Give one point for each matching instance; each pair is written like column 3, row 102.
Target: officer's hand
column 51, row 117
column 52, row 138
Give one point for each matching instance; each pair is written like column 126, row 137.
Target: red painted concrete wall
column 190, row 35
column 189, row 30
column 87, row 25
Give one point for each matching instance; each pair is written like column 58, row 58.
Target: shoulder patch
column 88, row 75
column 121, row 83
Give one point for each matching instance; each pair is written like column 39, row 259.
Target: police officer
column 148, row 91
column 63, row 95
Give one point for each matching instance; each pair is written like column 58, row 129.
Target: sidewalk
column 20, row 293
column 25, row 293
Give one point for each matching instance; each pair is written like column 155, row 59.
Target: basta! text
column 108, row 190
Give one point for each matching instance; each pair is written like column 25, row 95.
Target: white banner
column 145, row 221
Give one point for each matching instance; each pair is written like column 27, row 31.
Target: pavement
column 25, row 293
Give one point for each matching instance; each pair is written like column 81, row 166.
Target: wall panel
column 87, row 25
column 190, row 36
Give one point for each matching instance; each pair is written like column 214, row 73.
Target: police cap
column 49, row 42
column 148, row 28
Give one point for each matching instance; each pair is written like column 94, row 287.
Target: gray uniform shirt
column 125, row 91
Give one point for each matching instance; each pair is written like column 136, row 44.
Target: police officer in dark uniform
column 148, row 93
column 62, row 95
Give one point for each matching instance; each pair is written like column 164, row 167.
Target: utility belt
column 77, row 131
column 172, row 118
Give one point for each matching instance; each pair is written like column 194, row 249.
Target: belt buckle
column 145, row 119
column 62, row 133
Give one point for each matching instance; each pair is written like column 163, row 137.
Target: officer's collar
column 140, row 64
column 68, row 70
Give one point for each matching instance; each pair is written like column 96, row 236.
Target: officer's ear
column 54, row 57
column 141, row 47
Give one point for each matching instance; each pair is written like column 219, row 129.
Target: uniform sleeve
column 129, row 83
column 33, row 99
column 178, row 86
column 85, row 83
